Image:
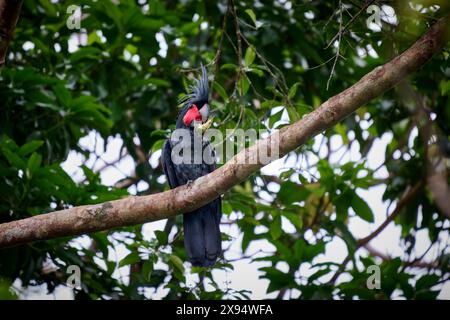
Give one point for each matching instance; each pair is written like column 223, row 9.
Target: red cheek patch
column 191, row 115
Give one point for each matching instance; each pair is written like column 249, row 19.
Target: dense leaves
column 121, row 75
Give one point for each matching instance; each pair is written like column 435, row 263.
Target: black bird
column 202, row 238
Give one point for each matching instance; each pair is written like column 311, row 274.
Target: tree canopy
column 120, row 76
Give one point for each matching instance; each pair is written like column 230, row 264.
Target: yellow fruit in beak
column 205, row 126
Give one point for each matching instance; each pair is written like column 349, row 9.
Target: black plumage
column 202, row 237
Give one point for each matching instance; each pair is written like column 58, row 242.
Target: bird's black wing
column 168, row 165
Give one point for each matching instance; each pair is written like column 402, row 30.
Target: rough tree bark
column 437, row 181
column 136, row 210
column 9, row 14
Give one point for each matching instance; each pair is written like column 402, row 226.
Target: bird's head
column 195, row 111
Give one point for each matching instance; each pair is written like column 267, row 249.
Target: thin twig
column 338, row 46
column 343, row 30
column 410, row 194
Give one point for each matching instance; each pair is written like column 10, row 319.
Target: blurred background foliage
column 121, row 75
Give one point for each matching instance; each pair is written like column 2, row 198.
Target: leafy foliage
column 122, row 74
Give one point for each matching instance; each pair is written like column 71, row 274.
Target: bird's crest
column 199, row 91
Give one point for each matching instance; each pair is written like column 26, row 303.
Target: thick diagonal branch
column 136, row 210
column 437, row 181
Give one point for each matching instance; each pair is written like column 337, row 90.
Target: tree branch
column 409, row 194
column 9, row 14
column 415, row 264
column 436, row 169
column 437, row 181
column 136, row 210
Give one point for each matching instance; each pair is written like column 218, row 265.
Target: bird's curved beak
column 205, row 123
column 204, row 111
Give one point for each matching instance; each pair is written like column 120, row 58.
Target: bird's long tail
column 202, row 238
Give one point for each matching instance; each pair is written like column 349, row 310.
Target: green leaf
column 147, row 269
column 311, row 251
column 177, row 262
column 114, row 12
column 91, row 176
column 426, row 281
column 221, row 91
column 319, row 273
column 252, row 15
column 293, row 90
column 13, row 158
column 249, row 56
column 269, row 104
column 408, row 290
column 346, row 235
column 275, row 227
column 131, row 258
column 427, row 295
column 256, row 71
column 160, row 133
column 361, row 208
column 29, row 147
column 229, row 66
column 34, row 162
column 86, row 53
column 5, row 290
column 62, row 94
column 341, row 129
column 303, row 108
column 290, row 192
column 277, row 278
column 273, row 119
column 342, row 203
column 445, row 87
column 158, row 82
column 295, row 219
column 243, row 84
column 247, row 238
column 226, row 208
column 162, row 237
column 102, row 242
column 293, row 114
column 158, row 145
column 148, row 25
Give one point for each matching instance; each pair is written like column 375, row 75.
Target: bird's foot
column 189, row 182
